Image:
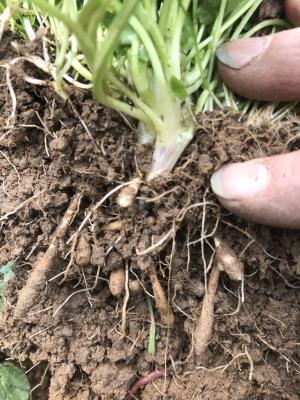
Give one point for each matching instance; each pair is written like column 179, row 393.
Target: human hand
column 265, row 190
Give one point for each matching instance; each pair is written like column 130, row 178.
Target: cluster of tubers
column 227, row 261
column 117, row 282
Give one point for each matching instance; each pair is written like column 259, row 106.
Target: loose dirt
column 74, row 324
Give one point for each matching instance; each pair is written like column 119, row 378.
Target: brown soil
column 81, row 343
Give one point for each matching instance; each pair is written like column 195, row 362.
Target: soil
column 271, row 9
column 75, row 331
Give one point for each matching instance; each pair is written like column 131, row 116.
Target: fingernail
column 239, row 53
column 239, row 181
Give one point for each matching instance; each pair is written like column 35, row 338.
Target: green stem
column 151, row 50
column 156, row 121
column 139, row 74
column 152, row 332
column 175, row 43
column 216, row 33
column 86, row 46
column 271, row 22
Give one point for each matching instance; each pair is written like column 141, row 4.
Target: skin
column 265, row 190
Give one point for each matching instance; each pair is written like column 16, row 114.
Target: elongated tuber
column 42, row 268
column 166, row 313
column 203, row 331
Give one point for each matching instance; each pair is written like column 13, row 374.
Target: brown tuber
column 83, row 252
column 165, row 311
column 228, row 261
column 117, row 282
column 43, row 267
column 127, row 195
column 203, row 331
column 135, row 287
column 116, row 225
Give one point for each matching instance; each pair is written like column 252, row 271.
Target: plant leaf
column 13, row 383
column 178, row 88
column 7, row 275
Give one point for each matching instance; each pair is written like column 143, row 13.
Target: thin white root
column 95, row 208
column 67, row 299
column 251, row 364
column 125, row 302
column 158, row 244
column 12, row 118
column 5, row 216
column 127, row 195
column 13, row 165
column 161, row 243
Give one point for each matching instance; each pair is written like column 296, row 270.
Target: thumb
column 263, row 68
column 265, row 190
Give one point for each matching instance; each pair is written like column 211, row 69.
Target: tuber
column 117, row 282
column 83, row 252
column 228, row 260
column 135, row 287
column 166, row 313
column 203, row 331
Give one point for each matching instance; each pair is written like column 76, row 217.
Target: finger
column 292, row 10
column 265, row 190
column 263, row 68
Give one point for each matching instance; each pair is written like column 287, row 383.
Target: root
column 5, row 216
column 95, row 208
column 226, row 366
column 203, row 331
column 166, row 313
column 40, row 273
column 163, row 241
column 125, row 302
column 12, row 118
column 143, row 382
column 13, row 165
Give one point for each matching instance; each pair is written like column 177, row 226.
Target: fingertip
column 264, row 68
column 265, row 190
column 292, row 10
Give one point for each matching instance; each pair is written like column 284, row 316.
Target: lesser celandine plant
column 153, row 60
